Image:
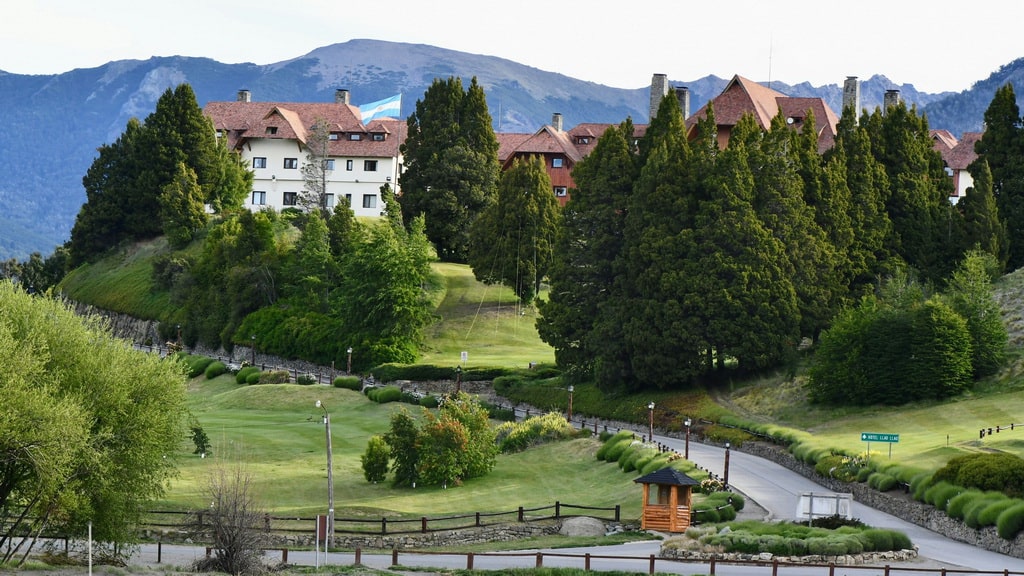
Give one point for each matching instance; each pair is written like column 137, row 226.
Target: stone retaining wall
column 897, row 503
column 866, row 558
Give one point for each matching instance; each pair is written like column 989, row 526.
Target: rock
column 582, row 526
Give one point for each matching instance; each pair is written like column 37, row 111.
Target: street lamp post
column 458, row 379
column 179, row 335
column 650, row 413
column 349, row 369
column 725, row 479
column 686, row 452
column 253, row 340
column 570, row 405
column 330, row 478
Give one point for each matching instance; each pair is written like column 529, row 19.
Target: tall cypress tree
column 1002, row 147
column 451, row 160
column 588, row 244
column 512, row 241
column 982, row 227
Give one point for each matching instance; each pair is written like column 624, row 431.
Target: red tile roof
column 242, row 121
column 961, row 155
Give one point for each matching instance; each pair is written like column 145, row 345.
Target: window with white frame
column 348, row 165
column 330, row 200
column 329, row 164
column 291, row 163
column 348, row 200
column 556, row 162
column 561, row 191
column 333, row 136
column 369, row 165
column 369, row 201
column 259, row 162
column 259, row 198
column 290, row 198
column 355, row 137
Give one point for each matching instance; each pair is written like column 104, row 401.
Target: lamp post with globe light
column 650, row 410
column 686, row 451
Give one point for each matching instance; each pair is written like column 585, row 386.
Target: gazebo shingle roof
column 667, row 477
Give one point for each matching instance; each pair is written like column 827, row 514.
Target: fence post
column 540, row 560
column 617, row 512
column 831, row 569
column 469, row 561
column 383, row 525
column 711, row 567
column 478, row 519
column 159, row 550
column 886, row 570
column 650, row 568
column 284, row 555
column 520, row 513
column 394, row 556
column 359, row 556
column 423, row 524
column 558, row 509
column 775, row 567
column 586, row 562
column 266, row 521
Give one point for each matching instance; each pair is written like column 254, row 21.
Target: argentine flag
column 386, row 108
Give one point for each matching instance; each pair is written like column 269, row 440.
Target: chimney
column 341, row 96
column 890, row 100
column 556, row 121
column 851, row 96
column 244, row 95
column 683, row 95
column 659, row 88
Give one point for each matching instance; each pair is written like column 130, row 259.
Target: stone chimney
column 659, row 89
column 556, row 121
column 851, row 96
column 891, row 99
column 244, row 96
column 683, row 95
column 341, row 96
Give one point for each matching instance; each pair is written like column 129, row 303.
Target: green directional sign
column 876, row 437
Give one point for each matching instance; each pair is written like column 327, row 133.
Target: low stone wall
column 898, row 504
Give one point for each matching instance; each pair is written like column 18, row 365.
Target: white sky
column 936, row 45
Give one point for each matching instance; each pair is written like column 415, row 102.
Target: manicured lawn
column 275, row 432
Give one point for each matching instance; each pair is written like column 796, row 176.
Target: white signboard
column 818, row 505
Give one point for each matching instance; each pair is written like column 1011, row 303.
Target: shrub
column 275, row 377
column 864, row 474
column 959, row 503
column 305, row 379
column 835, row 521
column 655, row 464
column 986, row 471
column 940, row 493
column 348, row 383
column 242, row 376
column 1010, row 522
column 706, row 516
column 517, row 436
column 988, row 515
column 920, row 484
column 253, row 378
column 215, row 369
column 384, row 394
column 197, row 365
column 974, row 508
column 430, row 401
column 616, row 449
column 882, row 482
column 375, row 460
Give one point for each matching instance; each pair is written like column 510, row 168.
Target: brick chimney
column 851, row 96
column 659, row 89
column 683, row 95
column 244, row 96
column 556, row 121
column 341, row 96
column 890, row 100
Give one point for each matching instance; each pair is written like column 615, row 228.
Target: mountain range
column 56, row 122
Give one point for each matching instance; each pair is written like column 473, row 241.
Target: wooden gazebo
column 668, row 496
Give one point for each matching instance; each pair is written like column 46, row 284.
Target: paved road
column 771, row 486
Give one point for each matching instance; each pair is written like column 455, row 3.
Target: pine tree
column 982, row 227
column 512, row 240
column 451, row 160
column 181, row 208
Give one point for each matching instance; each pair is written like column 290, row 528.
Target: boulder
column 582, row 526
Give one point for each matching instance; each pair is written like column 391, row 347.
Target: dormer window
column 378, row 137
column 333, row 136
column 271, row 130
column 355, row 137
column 583, row 140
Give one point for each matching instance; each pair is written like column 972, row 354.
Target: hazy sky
column 937, row 45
